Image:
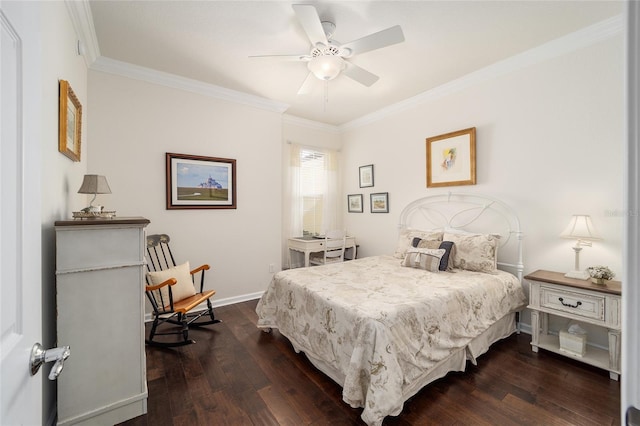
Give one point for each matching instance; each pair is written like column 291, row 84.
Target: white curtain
column 330, row 213
column 293, row 209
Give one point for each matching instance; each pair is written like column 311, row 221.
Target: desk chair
column 334, row 245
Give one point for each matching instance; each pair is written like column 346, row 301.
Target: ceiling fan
column 327, row 58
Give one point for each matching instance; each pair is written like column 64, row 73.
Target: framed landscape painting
column 354, row 202
column 380, row 202
column 197, row 182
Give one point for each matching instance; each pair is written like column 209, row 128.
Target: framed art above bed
column 451, row 159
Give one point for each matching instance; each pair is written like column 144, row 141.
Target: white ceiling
column 211, row 41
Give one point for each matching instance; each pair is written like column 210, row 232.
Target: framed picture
column 451, row 159
column 70, row 121
column 380, row 202
column 354, row 203
column 366, row 176
column 196, row 182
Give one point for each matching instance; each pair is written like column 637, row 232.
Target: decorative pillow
column 407, row 235
column 446, row 263
column 182, row 289
column 475, row 252
column 423, row 258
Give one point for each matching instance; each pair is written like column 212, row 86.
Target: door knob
column 39, row 356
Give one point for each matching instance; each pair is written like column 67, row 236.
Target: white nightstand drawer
column 576, row 303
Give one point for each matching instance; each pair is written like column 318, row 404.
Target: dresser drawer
column 586, row 305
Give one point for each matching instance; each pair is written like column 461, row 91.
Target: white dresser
column 100, row 315
column 551, row 293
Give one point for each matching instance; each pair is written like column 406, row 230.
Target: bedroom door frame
column 630, row 391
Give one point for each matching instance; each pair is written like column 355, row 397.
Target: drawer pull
column 569, row 305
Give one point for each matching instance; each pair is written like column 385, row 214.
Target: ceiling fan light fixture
column 326, row 67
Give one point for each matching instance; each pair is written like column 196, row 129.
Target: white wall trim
column 149, row 75
column 560, row 46
column 630, row 388
column 218, row 303
column 82, row 20
column 310, row 124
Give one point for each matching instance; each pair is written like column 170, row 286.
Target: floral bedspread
column 382, row 325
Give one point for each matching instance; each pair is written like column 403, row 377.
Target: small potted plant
column 600, row 274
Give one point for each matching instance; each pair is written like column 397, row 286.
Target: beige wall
column 549, row 142
column 60, row 176
column 134, row 123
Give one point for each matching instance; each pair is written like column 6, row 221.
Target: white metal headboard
column 473, row 213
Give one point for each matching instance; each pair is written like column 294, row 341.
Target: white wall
column 548, row 143
column 60, row 176
column 134, row 123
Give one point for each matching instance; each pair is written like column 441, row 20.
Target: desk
column 309, row 245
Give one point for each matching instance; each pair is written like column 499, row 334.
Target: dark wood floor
column 238, row 375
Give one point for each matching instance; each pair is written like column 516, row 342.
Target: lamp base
column 580, row 275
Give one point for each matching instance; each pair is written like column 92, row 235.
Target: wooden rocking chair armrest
column 204, row 267
column 170, row 281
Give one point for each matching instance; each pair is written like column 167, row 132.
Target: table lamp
column 94, row 184
column 581, row 229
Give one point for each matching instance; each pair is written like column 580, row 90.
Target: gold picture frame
column 451, row 159
column 70, row 122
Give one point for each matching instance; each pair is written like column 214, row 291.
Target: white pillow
column 180, row 290
column 407, row 235
column 474, row 252
column 424, row 258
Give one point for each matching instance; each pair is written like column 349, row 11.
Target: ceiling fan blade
column 310, row 21
column 374, row 41
column 360, row 75
column 303, row 57
column 307, row 85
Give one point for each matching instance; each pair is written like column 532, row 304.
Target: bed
column 385, row 326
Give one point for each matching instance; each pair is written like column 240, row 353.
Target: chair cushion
column 183, row 287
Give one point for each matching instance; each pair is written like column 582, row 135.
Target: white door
column 20, row 255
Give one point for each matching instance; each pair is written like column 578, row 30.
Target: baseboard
column 218, row 302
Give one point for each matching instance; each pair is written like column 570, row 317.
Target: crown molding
column 149, row 75
column 82, row 21
column 310, row 124
column 574, row 41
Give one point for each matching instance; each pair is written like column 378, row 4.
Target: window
column 313, row 181
column 312, row 191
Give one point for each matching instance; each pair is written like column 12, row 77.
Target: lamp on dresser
column 94, row 184
column 582, row 230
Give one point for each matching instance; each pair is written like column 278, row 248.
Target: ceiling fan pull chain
column 326, row 96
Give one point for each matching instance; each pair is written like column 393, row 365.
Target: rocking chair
column 171, row 291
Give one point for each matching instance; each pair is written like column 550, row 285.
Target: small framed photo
column 197, row 182
column 354, row 203
column 380, row 202
column 366, row 176
column 451, row 159
column 69, row 121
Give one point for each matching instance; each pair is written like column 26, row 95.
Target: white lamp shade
column 94, row 184
column 581, row 228
column 326, row 67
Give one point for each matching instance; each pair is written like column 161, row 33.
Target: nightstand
column 551, row 293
